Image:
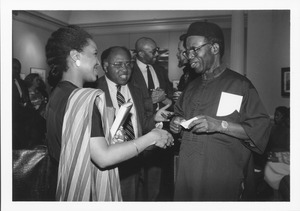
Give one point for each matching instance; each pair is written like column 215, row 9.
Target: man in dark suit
column 116, row 63
column 153, row 81
column 189, row 74
column 151, row 77
column 22, row 109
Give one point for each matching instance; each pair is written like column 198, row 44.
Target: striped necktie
column 128, row 123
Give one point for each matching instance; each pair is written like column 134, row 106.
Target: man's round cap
column 182, row 37
column 206, row 29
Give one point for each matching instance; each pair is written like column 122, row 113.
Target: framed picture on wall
column 285, row 82
column 39, row 71
column 163, row 58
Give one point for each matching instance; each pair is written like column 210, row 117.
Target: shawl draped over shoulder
column 78, row 177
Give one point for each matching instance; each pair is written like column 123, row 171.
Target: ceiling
column 112, row 16
column 123, row 21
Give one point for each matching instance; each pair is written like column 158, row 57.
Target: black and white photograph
column 203, row 98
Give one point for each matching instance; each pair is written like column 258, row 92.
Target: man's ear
column 105, row 65
column 215, row 48
column 140, row 53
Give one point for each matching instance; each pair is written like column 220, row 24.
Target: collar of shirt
column 215, row 73
column 112, row 87
column 143, row 68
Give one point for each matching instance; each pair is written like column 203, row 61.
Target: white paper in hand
column 229, row 103
column 186, row 123
column 120, row 118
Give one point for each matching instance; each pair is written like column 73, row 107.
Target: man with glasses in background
column 151, row 77
column 117, row 65
column 228, row 122
column 153, row 81
column 188, row 73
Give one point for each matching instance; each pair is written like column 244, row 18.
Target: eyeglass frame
column 154, row 51
column 119, row 65
column 195, row 50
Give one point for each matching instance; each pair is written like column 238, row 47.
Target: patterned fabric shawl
column 78, row 178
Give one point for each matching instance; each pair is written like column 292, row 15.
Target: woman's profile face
column 89, row 62
column 36, row 82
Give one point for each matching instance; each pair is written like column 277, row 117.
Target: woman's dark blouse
column 55, row 115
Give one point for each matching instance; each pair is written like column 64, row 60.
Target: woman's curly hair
column 58, row 48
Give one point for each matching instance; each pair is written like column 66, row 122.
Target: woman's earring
column 77, row 63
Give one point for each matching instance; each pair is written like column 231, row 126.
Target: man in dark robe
column 230, row 123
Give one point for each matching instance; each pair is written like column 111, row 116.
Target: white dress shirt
column 112, row 87
column 143, row 68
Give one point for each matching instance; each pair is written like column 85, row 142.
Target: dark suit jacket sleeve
column 142, row 102
column 165, row 84
column 163, row 77
column 138, row 81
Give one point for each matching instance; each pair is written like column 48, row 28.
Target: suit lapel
column 137, row 104
column 159, row 75
column 102, row 84
column 139, row 80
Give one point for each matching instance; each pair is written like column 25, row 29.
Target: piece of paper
column 186, row 123
column 229, row 103
column 120, row 118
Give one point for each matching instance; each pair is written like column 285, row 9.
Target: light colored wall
column 166, row 34
column 168, row 40
column 29, row 46
column 162, row 40
column 102, row 16
column 268, row 50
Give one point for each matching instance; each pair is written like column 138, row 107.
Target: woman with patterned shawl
column 78, row 123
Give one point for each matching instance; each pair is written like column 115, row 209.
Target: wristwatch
column 224, row 125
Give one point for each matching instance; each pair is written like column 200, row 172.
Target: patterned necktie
column 128, row 123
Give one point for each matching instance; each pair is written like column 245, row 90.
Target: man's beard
column 180, row 63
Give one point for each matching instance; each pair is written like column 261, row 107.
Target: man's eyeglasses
column 154, row 51
column 120, row 65
column 193, row 50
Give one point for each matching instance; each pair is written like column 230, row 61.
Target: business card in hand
column 186, row 123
